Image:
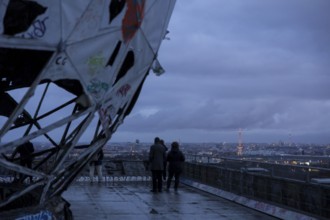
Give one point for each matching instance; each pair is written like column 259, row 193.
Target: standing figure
column 162, row 142
column 96, row 163
column 26, row 155
column 175, row 158
column 157, row 158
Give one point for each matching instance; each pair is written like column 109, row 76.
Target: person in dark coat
column 162, row 142
column 157, row 158
column 175, row 158
column 96, row 163
column 25, row 152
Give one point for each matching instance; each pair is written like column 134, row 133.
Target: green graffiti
column 95, row 63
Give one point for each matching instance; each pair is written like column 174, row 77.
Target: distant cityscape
column 298, row 161
column 278, row 153
column 293, row 154
column 221, row 149
column 230, row 149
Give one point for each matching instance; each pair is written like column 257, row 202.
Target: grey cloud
column 262, row 66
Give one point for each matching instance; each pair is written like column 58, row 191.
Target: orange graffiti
column 133, row 18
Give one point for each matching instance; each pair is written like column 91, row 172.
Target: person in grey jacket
column 175, row 158
column 157, row 158
column 96, row 163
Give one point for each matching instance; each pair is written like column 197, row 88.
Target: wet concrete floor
column 133, row 200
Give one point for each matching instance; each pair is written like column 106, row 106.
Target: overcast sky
column 259, row 65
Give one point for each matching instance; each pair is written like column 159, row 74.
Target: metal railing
column 295, row 172
column 119, row 170
column 113, row 169
column 285, row 185
column 310, row 198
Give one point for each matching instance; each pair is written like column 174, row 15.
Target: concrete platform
column 133, row 200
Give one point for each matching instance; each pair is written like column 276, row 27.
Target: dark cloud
column 262, row 66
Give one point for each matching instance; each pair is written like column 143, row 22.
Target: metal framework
column 69, row 71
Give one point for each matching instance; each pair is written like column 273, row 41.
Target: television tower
column 240, row 143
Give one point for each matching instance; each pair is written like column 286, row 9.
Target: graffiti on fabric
column 97, row 88
column 105, row 115
column 61, row 60
column 122, row 91
column 95, row 64
column 42, row 215
column 37, row 29
column 133, row 18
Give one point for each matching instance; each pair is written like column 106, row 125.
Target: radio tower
column 240, row 143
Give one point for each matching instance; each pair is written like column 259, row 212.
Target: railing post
column 308, row 176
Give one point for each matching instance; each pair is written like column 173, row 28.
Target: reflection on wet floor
column 133, row 200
